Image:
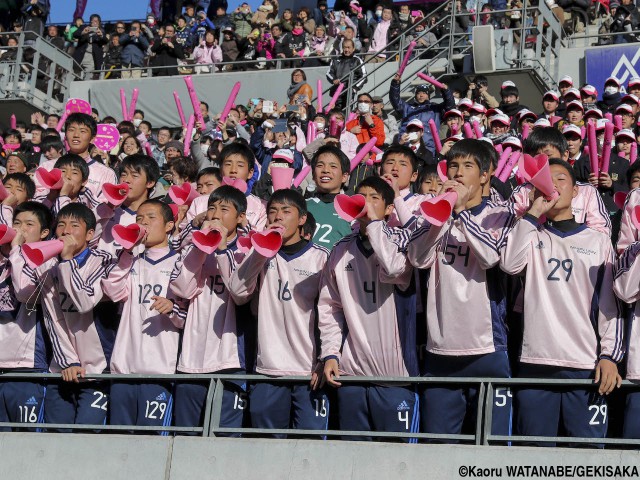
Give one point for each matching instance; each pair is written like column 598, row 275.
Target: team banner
column 620, row 61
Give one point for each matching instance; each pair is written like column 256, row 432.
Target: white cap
column 416, row 123
column 566, row 79
column 542, row 122
column 513, row 141
column 571, row 128
column 502, row 118
column 283, row 154
column 625, row 132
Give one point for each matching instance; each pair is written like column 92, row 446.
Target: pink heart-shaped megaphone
column 619, row 198
column 51, row 179
column 236, row 183
column 244, row 242
column 115, row 194
column 539, row 175
column 281, row 177
column 107, row 137
column 37, row 253
column 207, row 240
column 77, row 105
column 7, row 234
column 267, row 243
column 442, row 170
column 437, row 210
column 4, row 193
column 350, row 207
column 129, row 236
column 175, row 209
column 183, row 194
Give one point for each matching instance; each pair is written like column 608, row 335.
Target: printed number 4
column 567, row 266
column 599, row 409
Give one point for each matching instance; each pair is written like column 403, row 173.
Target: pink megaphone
column 244, row 243
column 349, row 208
column 7, row 234
column 635, row 217
column 528, row 165
column 115, row 194
column 207, row 241
column 51, row 179
column 267, row 243
column 175, row 209
column 4, row 193
column 281, row 177
column 437, row 210
column 442, row 170
column 236, row 183
column 539, row 173
column 619, row 198
column 183, row 194
column 129, row 236
column 37, row 253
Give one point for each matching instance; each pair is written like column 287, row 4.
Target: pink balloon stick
column 63, row 119
column 431, row 80
column 508, row 168
column 123, row 104
column 407, row 56
column 134, row 101
column 230, row 102
column 319, row 88
column 504, row 156
column 633, row 154
column 436, row 135
column 361, row 154
column 593, row 148
column 334, row 99
column 188, row 134
column 183, row 120
column 606, row 147
column 302, row 175
column 195, row 103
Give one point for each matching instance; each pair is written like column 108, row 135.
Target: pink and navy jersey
column 85, row 197
column 107, row 218
column 6, row 215
column 587, row 206
column 628, row 231
column 24, row 342
column 147, row 341
column 366, row 309
column 286, row 289
column 71, row 291
column 463, row 257
column 213, row 338
column 99, row 174
column 571, row 315
column 406, row 212
column 627, row 287
column 256, row 210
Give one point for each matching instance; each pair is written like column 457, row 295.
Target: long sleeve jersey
column 627, row 287
column 286, row 288
column 571, row 315
column 366, row 309
column 628, row 231
column 256, row 211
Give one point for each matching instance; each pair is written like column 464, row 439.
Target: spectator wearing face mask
column 611, row 96
column 412, row 138
column 366, row 125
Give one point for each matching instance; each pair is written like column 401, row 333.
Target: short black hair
column 74, row 161
column 227, row 193
column 24, row 180
column 80, row 212
column 493, row 154
column 345, row 163
column 48, row 142
column 167, row 213
column 215, row 171
column 379, row 186
column 567, row 166
column 631, row 171
column 140, row 112
column 470, row 147
column 424, row 173
column 309, row 226
column 289, row 196
column 185, row 167
column 127, row 127
column 509, row 90
column 542, row 137
column 42, row 213
column 13, row 131
column 237, row 148
column 82, row 119
column 402, row 150
column 141, row 163
column 145, row 122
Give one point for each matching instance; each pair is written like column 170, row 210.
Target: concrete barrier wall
column 33, row 456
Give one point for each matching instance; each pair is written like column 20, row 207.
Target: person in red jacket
column 366, row 125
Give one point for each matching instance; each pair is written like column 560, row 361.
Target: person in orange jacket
column 366, row 125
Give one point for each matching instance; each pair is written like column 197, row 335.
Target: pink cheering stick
column 362, row 153
column 617, row 121
column 454, row 130
column 334, row 99
column 311, row 132
column 351, row 116
column 593, row 149
column 183, row 120
column 63, row 119
column 230, row 102
column 195, row 103
column 608, row 116
column 134, row 101
column 436, row 135
column 407, row 56
column 554, row 119
column 525, row 131
column 12, row 121
column 498, row 148
column 468, row 132
column 319, row 88
column 147, row 147
column 508, row 168
column 432, row 81
column 606, row 147
column 633, row 154
column 504, row 157
column 188, row 134
column 123, row 104
column 335, row 127
column 477, row 130
column 301, row 176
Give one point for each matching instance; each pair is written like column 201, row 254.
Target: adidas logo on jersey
column 31, row 401
column 348, row 268
column 133, row 271
column 403, row 406
column 540, row 245
column 162, row 397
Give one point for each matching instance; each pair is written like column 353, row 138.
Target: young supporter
column 429, row 181
column 80, row 131
column 366, row 317
column 208, row 180
column 463, row 256
column 75, row 174
column 152, row 317
column 82, row 342
column 25, row 342
column 213, row 339
column 286, row 288
column 399, row 167
column 576, row 332
column 330, row 167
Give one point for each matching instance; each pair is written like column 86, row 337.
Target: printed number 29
column 567, row 266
